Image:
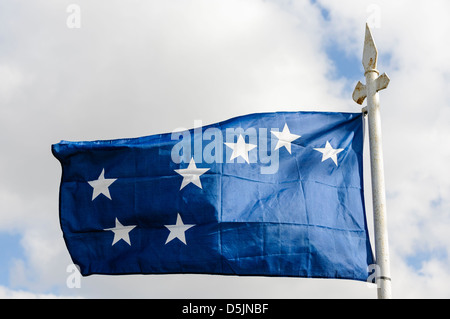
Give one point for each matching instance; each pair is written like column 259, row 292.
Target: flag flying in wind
column 274, row 194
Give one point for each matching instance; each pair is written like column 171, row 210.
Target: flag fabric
column 273, row 194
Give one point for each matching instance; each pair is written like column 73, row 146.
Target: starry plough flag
column 273, row 194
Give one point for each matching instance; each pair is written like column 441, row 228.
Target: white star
column 240, row 149
column 121, row 232
column 285, row 138
column 191, row 174
column 178, row 230
column 329, row 152
column 101, row 185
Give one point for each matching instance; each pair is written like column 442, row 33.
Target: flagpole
column 375, row 83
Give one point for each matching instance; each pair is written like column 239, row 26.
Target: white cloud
column 7, row 293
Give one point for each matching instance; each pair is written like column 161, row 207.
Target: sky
column 112, row 69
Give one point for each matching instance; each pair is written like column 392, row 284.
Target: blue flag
column 274, row 194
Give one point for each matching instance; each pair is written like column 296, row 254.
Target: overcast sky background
column 137, row 68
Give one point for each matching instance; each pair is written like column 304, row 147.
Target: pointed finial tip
column 370, row 54
column 368, row 31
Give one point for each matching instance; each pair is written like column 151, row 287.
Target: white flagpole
column 375, row 83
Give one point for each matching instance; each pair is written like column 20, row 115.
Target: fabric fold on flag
column 270, row 194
